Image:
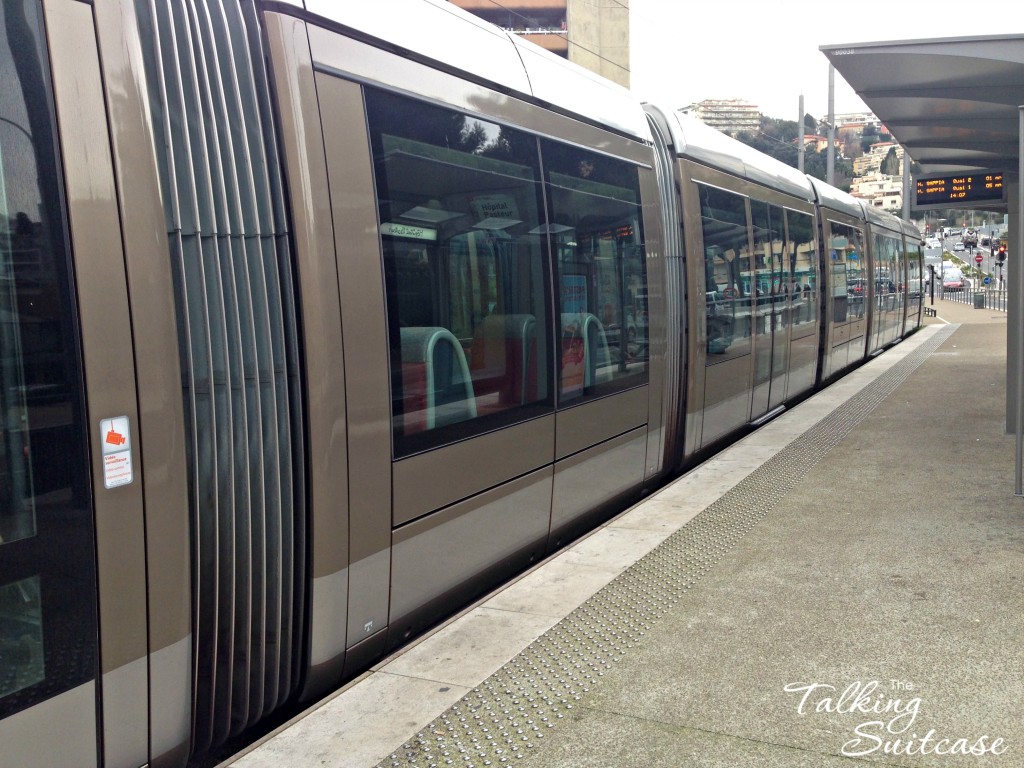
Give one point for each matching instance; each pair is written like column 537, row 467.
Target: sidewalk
column 844, row 579
column 892, row 572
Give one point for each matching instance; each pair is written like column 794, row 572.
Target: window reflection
column 19, row 254
column 803, row 260
column 464, row 268
column 601, row 270
column 21, row 636
column 727, row 275
column 846, row 250
column 468, row 252
column 888, row 286
column 916, row 280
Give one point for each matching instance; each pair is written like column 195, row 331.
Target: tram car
column 321, row 319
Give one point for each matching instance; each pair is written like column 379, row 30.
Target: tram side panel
column 786, row 290
column 50, row 655
column 652, row 324
column 754, row 297
column 888, row 281
column 497, row 375
column 304, row 164
column 722, row 359
column 161, row 406
column 668, row 299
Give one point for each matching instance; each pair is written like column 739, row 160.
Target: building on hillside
column 880, row 191
column 858, row 119
column 593, row 34
column 726, row 115
column 871, row 161
column 817, row 143
column 850, row 134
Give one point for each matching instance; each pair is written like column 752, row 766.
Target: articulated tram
column 320, row 319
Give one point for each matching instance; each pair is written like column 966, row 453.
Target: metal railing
column 981, row 298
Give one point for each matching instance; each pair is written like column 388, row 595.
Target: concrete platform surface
column 843, row 586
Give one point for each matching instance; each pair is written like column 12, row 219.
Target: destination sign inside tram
column 962, row 190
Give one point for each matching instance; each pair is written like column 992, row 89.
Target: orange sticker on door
column 115, row 435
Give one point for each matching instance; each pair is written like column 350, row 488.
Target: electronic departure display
column 961, row 190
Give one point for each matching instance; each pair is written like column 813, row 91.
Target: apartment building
column 871, row 161
column 816, row 143
column 726, row 115
column 591, row 33
column 857, row 120
column 881, row 191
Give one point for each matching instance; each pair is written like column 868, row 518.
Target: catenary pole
column 906, row 185
column 830, row 175
column 1019, row 286
column 800, row 137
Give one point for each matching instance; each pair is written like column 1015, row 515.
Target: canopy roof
column 952, row 103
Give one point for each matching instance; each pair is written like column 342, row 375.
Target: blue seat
column 436, row 385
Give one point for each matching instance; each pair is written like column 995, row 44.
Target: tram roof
column 446, row 35
column 692, row 138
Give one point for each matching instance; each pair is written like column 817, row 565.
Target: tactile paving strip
column 504, row 717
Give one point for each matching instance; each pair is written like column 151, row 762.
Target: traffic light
column 1001, row 256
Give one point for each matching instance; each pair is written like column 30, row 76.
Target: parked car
column 953, row 280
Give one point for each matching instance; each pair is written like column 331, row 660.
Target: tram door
column 773, row 282
column 844, row 245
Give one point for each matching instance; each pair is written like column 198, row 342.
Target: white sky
column 766, row 51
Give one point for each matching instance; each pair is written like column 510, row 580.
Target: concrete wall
column 599, row 37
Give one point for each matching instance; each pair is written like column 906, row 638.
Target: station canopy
column 952, row 103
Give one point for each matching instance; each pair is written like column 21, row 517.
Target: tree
column 891, row 163
column 778, row 138
column 775, row 138
column 868, row 137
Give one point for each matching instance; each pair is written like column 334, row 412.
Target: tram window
column 769, row 269
column 597, row 241
column 887, row 265
column 726, row 273
column 915, row 279
column 803, row 265
column 846, row 252
column 21, row 636
column 465, row 271
column 47, row 553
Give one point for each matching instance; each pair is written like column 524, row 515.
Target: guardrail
column 981, row 298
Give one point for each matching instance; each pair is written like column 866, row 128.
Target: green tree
column 868, row 137
column 891, row 163
column 778, row 138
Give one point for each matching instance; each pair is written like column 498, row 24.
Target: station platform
column 842, row 586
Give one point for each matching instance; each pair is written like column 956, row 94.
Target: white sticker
column 116, row 439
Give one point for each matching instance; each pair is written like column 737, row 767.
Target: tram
column 321, row 319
